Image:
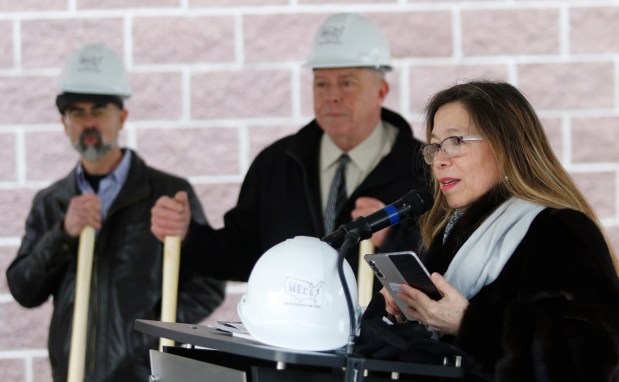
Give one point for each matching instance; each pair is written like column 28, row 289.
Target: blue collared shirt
column 110, row 185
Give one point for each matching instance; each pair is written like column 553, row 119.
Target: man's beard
column 96, row 151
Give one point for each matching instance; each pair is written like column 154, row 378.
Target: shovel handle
column 85, row 254
column 171, row 264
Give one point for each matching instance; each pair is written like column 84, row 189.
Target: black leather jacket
column 126, row 278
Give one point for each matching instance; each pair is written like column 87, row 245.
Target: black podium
column 222, row 357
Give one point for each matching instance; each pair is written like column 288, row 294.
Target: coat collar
column 439, row 254
column 136, row 187
column 303, row 149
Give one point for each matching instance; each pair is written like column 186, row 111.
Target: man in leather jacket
column 113, row 190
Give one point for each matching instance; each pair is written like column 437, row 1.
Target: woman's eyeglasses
column 450, row 146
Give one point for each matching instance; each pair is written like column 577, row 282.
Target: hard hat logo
column 304, row 291
column 89, row 63
column 330, row 35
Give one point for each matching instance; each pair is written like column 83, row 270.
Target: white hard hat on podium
column 295, row 299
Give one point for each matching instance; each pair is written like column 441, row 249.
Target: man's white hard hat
column 349, row 40
column 295, row 299
column 95, row 69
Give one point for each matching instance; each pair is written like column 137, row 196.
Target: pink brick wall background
column 215, row 81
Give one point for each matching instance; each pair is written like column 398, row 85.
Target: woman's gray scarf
column 482, row 257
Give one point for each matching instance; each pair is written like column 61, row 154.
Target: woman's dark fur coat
column 553, row 312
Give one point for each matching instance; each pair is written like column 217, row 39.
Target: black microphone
column 414, row 203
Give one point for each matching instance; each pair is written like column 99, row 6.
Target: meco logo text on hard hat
column 89, row 62
column 304, row 292
column 330, row 34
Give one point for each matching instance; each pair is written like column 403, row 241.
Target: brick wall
column 216, row 80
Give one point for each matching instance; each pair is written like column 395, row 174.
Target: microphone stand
column 351, row 239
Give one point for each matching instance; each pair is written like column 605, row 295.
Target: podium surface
column 210, row 338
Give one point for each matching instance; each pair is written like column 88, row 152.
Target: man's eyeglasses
column 450, row 146
column 98, row 113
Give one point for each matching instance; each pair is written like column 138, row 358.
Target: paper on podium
column 233, row 328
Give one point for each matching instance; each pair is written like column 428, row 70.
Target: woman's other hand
column 444, row 315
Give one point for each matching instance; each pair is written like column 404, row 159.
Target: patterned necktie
column 337, row 194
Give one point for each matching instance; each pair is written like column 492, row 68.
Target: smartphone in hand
column 393, row 269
